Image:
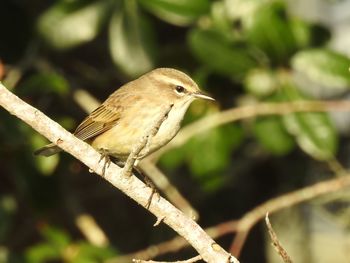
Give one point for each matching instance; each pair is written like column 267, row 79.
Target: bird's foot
column 149, row 184
column 107, row 160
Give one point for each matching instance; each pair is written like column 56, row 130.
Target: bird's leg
column 147, row 147
column 135, row 155
column 149, row 183
column 105, row 156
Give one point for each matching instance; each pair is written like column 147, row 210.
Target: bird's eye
column 180, row 89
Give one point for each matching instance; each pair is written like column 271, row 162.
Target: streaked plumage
column 123, row 118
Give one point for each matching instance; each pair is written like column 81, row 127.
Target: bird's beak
column 200, row 95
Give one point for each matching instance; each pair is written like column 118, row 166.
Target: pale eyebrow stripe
column 169, row 79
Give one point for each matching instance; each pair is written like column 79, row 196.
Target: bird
column 122, row 119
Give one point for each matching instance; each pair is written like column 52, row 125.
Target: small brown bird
column 122, row 119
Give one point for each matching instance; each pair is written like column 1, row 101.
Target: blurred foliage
column 240, row 51
column 57, row 245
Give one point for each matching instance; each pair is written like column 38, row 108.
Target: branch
column 174, row 244
column 249, row 111
column 90, row 229
column 88, row 103
column 131, row 186
column 191, row 260
column 171, row 192
column 275, row 242
column 243, row 225
column 252, row 217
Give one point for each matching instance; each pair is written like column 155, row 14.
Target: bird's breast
column 120, row 140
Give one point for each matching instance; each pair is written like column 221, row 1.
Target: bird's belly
column 122, row 138
column 117, row 141
column 166, row 132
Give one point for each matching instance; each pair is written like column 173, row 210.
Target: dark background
column 240, row 52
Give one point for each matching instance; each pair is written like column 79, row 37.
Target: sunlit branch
column 131, row 186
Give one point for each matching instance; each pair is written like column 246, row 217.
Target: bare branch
column 243, row 226
column 88, row 103
column 85, row 100
column 163, row 183
column 131, row 186
column 275, row 242
column 91, row 230
column 175, row 244
column 191, row 260
column 296, row 197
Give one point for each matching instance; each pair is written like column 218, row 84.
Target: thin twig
column 163, row 183
column 191, row 260
column 84, row 221
column 296, row 197
column 243, row 225
column 15, row 73
column 2, row 70
column 91, row 230
column 336, row 167
column 174, row 244
column 255, row 215
column 85, row 100
column 131, row 186
column 249, row 111
column 275, row 242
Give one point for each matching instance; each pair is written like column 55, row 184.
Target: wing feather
column 100, row 120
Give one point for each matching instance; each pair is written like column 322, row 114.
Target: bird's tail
column 48, row 150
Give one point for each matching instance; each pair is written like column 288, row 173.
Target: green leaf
column 56, row 237
column 212, row 182
column 270, row 30
column 198, row 109
column 42, row 252
column 219, row 54
column 90, row 253
column 322, row 70
column 272, row 135
column 210, row 152
column 207, row 154
column 47, row 165
column 70, row 23
column 173, row 158
column 45, row 83
column 57, row 241
column 302, row 32
column 177, row 12
column 314, row 132
column 242, row 9
column 220, row 18
column 260, row 82
column 131, row 40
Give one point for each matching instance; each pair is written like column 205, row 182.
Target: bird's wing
column 100, row 120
